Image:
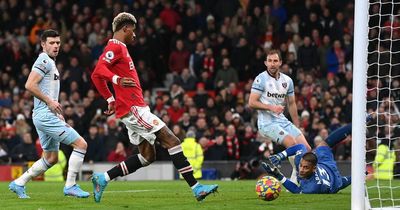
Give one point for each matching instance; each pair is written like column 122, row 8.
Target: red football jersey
column 116, row 60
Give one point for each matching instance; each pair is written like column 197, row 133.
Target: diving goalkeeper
column 317, row 170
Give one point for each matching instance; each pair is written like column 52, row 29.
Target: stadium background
column 196, row 61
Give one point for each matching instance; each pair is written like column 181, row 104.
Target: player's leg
column 338, row 135
column 39, row 167
column 281, row 136
column 169, row 141
column 131, row 164
column 50, row 148
column 346, row 181
column 74, row 165
column 141, row 133
column 61, row 132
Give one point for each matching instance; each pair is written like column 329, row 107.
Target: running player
column 116, row 66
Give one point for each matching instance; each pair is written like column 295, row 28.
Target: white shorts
column 142, row 125
column 277, row 132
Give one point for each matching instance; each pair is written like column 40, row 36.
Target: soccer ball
column 268, row 188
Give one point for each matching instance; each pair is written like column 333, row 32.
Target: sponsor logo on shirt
column 276, row 95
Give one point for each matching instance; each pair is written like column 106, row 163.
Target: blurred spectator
column 201, row 96
column 117, row 155
column 179, row 58
column 95, row 150
column 232, row 143
column 218, row 150
column 186, row 80
column 226, row 75
column 196, row 59
column 25, row 151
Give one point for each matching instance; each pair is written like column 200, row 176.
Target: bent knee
column 147, row 159
column 52, row 159
column 80, row 143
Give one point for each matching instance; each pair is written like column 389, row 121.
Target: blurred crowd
column 196, row 60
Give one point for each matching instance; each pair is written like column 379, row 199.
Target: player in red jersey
column 115, row 65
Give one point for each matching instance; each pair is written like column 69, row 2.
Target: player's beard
column 273, row 71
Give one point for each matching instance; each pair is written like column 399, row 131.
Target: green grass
column 174, row 195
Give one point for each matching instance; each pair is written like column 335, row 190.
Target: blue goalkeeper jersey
column 326, row 178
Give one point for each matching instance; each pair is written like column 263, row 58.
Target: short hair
column 311, row 157
column 273, row 51
column 123, row 19
column 49, row 33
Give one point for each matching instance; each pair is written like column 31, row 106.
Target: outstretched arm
column 274, row 171
column 293, row 150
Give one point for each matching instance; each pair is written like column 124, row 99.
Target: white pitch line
column 128, row 191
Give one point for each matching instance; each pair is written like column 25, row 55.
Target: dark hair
column 311, row 157
column 49, row 33
column 273, row 51
column 120, row 25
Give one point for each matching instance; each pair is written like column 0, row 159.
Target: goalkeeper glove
column 272, row 170
column 277, row 158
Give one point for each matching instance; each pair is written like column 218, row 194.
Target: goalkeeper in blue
column 317, row 171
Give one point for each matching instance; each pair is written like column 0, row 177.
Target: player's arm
column 32, row 85
column 255, row 103
column 274, row 171
column 292, row 106
column 293, row 150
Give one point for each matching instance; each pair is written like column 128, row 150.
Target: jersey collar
column 116, row 40
column 279, row 75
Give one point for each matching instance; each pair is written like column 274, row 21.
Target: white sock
column 106, row 176
column 75, row 163
column 194, row 186
column 293, row 177
column 39, row 167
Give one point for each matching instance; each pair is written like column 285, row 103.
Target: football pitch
column 172, row 195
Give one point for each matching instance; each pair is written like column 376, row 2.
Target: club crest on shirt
column 284, row 84
column 155, row 122
column 281, row 133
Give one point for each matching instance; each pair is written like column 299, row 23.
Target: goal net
column 383, row 102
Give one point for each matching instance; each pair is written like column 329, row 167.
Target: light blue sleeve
column 290, row 91
column 41, row 65
column 258, row 85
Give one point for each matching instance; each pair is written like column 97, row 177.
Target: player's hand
column 61, row 117
column 272, row 170
column 277, row 109
column 126, row 82
column 55, row 107
column 276, row 159
column 111, row 108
